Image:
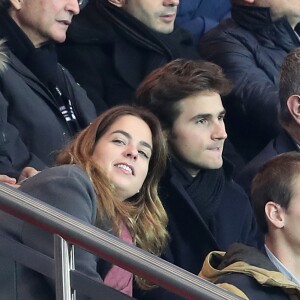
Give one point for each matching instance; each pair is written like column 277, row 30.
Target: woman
column 108, row 177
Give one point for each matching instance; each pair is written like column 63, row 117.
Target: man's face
column 281, row 8
column 44, row 20
column 198, row 134
column 158, row 15
column 291, row 218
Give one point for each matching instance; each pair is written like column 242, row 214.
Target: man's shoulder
column 228, row 30
column 251, row 287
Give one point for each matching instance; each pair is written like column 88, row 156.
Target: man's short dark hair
column 274, row 182
column 162, row 89
column 289, row 83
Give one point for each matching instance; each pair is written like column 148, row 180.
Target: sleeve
column 71, row 192
column 255, row 88
column 14, row 154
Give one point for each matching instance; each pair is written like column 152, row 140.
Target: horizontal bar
column 109, row 247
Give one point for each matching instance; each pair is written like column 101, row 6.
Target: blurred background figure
column 199, row 16
column 250, row 47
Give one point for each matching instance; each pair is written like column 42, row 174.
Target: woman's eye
column 144, row 154
column 119, row 142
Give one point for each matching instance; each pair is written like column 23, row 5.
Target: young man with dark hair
column 273, row 273
column 206, row 209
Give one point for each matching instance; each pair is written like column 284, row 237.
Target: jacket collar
column 284, row 143
column 249, row 261
column 259, row 21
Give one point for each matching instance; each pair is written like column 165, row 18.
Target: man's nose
column 219, row 131
column 171, row 2
column 73, row 6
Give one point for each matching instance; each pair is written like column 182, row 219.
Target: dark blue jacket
column 199, row 16
column 191, row 240
column 281, row 144
column 250, row 48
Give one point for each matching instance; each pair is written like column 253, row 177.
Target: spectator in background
column 114, row 44
column 273, row 273
column 207, row 210
column 199, row 16
column 41, row 106
column 250, row 47
column 107, row 177
column 289, row 137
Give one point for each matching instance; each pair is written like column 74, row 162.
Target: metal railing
column 106, row 246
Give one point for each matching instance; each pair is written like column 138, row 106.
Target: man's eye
column 201, row 121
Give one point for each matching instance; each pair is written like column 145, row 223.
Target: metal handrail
column 109, row 247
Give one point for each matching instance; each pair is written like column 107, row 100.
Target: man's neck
column 287, row 256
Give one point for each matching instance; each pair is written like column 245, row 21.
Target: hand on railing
column 26, row 173
column 9, row 180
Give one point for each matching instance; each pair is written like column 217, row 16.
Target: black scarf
column 42, row 62
column 204, row 190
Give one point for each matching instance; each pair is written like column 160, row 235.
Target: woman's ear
column 118, row 3
column 293, row 104
column 274, row 214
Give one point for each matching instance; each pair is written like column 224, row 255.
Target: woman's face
column 124, row 152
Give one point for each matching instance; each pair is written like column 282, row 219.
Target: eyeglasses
column 80, row 2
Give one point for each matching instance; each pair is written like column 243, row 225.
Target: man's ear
column 16, row 4
column 275, row 214
column 118, row 3
column 249, row 1
column 293, row 104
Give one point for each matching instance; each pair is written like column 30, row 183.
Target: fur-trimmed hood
column 3, row 56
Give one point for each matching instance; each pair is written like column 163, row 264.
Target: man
column 250, row 48
column 113, row 44
column 41, row 106
column 289, row 137
column 274, row 274
column 206, row 209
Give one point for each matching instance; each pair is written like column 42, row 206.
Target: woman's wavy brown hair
column 143, row 213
